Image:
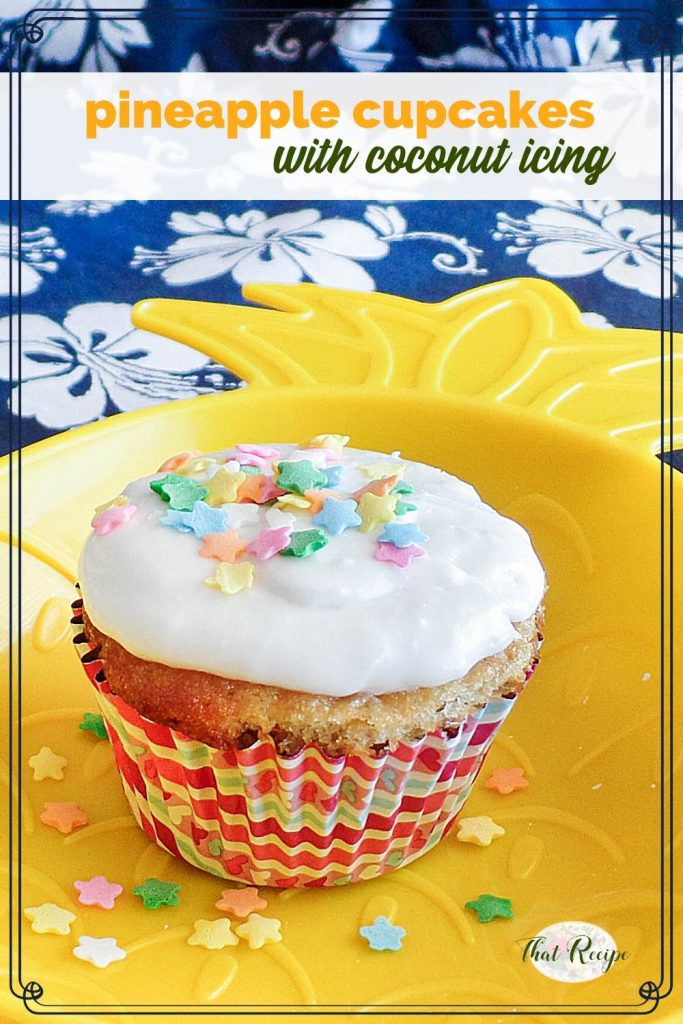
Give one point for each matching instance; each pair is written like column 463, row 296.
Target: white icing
column 338, row 622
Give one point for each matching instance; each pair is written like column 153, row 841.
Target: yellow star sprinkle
column 481, row 831
column 231, row 578
column 258, row 930
column 376, row 470
column 112, row 503
column 285, row 501
column 213, row 934
column 333, row 441
column 376, row 511
column 195, row 466
column 50, row 919
column 47, row 765
column 223, row 487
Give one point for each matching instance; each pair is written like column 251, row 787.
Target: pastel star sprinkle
column 333, row 475
column 93, row 723
column 404, row 506
column 506, row 780
column 224, row 547
column 299, row 476
column 213, row 934
column 481, row 830
column 177, row 461
column 269, row 542
column 154, row 894
column 303, row 543
column 259, row 930
column 197, row 465
column 241, row 902
column 487, row 907
column 47, row 765
column 98, row 892
column 402, row 534
column 383, row 935
column 202, row 519
column 121, row 499
column 337, row 515
column 376, row 511
column 223, row 486
column 49, row 919
column 334, row 441
column 181, row 492
column 230, row 579
column 375, row 470
column 403, row 488
column 65, row 817
column 385, row 485
column 297, row 501
column 275, row 517
column 316, row 500
column 99, row 952
column 113, row 517
column 402, row 557
column 264, row 452
column 252, row 490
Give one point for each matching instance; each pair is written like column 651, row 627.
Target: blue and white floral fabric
column 84, row 264
column 369, row 35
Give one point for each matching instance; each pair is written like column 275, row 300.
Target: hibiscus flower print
column 40, row 254
column 96, row 363
column 286, row 248
column 96, row 43
column 575, row 239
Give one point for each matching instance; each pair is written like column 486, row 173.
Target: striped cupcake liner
column 258, row 817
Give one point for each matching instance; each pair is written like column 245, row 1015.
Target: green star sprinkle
column 181, row 492
column 487, row 907
column 303, row 543
column 299, row 476
column 93, row 723
column 154, row 893
column 250, row 470
column 402, row 488
column 404, row 506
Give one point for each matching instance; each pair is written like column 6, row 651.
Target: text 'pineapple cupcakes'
column 302, row 654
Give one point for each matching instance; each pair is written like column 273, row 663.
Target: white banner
column 441, row 135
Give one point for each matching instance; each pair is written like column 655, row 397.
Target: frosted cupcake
column 303, row 653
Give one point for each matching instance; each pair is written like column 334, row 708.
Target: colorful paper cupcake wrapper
column 258, row 817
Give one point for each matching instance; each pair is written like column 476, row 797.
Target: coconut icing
column 315, row 588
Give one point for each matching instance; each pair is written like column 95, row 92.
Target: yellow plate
column 556, row 424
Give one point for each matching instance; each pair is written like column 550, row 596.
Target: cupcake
column 302, row 654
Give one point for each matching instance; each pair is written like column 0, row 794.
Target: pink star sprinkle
column 270, row 542
column 113, row 517
column 263, row 450
column 98, row 892
column 269, row 489
column 399, row 556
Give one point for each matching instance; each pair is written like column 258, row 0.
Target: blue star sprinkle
column 402, row 534
column 202, row 519
column 333, row 475
column 382, row 934
column 336, row 516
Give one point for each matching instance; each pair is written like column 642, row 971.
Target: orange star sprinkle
column 240, row 902
column 507, row 780
column 176, row 461
column 64, row 817
column 224, row 547
column 378, row 487
column 251, row 489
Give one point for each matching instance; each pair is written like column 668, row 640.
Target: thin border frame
column 653, row 29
